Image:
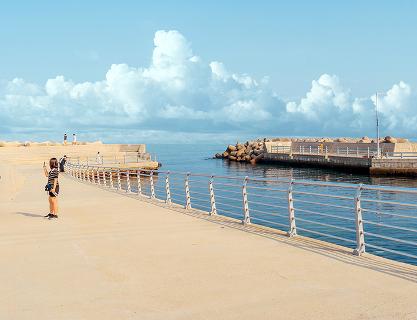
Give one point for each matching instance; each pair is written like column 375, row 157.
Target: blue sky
column 362, row 46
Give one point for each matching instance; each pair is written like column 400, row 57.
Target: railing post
column 187, row 192
column 337, row 150
column 167, row 189
column 291, row 212
column 152, row 185
column 326, row 151
column 360, row 236
column 300, row 149
column 104, row 177
column 111, row 179
column 357, row 152
column 212, row 199
column 128, row 189
column 347, row 151
column 368, row 153
column 246, row 215
column 139, row 184
column 119, row 182
column 310, row 149
column 98, row 176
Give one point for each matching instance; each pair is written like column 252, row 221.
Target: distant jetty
column 92, row 154
column 392, row 156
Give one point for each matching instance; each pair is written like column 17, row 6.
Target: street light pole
column 378, row 150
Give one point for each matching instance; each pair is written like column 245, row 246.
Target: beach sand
column 110, row 256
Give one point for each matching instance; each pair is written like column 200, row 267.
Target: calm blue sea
column 383, row 220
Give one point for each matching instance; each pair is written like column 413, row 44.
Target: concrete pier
column 113, row 256
column 356, row 157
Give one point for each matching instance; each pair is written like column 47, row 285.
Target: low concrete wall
column 40, row 153
column 403, row 167
column 358, row 164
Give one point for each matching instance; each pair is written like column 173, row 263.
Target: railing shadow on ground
column 329, row 250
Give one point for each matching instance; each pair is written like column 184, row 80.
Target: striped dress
column 53, row 174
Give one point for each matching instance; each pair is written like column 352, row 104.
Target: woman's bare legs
column 54, row 205
column 51, row 205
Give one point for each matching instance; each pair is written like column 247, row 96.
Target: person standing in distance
column 65, row 139
column 74, row 139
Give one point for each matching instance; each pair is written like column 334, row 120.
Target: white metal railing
column 353, row 151
column 400, row 155
column 280, row 149
column 121, row 158
column 339, row 151
column 382, row 220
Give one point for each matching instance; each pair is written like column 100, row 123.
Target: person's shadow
column 31, row 215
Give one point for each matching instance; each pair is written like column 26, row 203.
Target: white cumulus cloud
column 179, row 95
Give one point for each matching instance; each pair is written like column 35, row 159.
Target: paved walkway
column 111, row 256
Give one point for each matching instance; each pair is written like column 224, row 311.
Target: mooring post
column 212, row 199
column 187, row 191
column 360, row 236
column 291, row 212
column 246, row 214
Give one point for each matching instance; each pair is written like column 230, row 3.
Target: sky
column 187, row 71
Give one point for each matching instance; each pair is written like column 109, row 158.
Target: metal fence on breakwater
column 380, row 220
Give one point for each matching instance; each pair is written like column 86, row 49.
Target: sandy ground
column 110, row 256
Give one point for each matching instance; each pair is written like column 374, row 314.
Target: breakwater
column 390, row 157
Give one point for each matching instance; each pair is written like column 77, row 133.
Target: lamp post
column 378, row 150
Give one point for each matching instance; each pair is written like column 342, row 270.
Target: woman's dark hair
column 53, row 163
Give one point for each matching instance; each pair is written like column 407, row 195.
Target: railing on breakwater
column 343, row 151
column 380, row 220
column 122, row 158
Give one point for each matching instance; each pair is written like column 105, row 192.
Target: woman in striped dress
column 52, row 187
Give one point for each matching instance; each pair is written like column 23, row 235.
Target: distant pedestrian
column 65, row 139
column 62, row 162
column 74, row 139
column 98, row 158
column 52, row 187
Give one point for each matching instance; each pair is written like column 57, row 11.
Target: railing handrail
column 344, row 185
column 298, row 192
